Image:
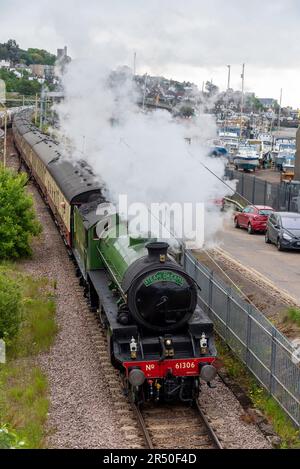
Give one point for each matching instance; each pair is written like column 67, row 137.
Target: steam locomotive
column 158, row 337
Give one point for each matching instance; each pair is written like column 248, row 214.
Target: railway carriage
column 62, row 184
column 158, row 337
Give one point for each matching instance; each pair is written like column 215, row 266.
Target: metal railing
column 259, row 345
column 282, row 196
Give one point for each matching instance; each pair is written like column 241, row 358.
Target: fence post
column 228, row 310
column 249, row 336
column 242, row 188
column 273, row 362
column 289, row 197
column 265, row 194
column 253, row 190
column 210, row 293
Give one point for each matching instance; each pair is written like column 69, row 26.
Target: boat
column 246, row 159
column 288, row 166
column 285, row 151
column 267, row 142
column 256, row 145
column 218, row 151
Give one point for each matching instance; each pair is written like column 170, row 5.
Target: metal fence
column 260, row 346
column 282, row 196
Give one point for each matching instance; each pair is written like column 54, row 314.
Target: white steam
column 141, row 154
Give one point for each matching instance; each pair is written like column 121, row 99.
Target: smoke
column 144, row 155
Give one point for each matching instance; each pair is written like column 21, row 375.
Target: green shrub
column 9, row 440
column 10, row 307
column 18, row 223
column 293, row 316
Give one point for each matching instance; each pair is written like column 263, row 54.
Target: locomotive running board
column 100, row 281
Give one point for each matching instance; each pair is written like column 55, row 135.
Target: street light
column 229, row 77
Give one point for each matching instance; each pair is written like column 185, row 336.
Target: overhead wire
column 203, row 249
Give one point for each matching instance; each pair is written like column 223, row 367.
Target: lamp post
column 229, row 77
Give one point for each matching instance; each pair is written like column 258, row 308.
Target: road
column 281, row 268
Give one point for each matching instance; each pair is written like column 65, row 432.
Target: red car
column 254, row 218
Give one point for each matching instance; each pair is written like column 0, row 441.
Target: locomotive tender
column 158, row 337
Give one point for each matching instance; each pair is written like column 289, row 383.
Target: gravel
column 225, row 414
column 81, row 411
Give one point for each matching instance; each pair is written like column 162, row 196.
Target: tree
column 211, row 89
column 11, row 51
column 28, row 87
column 18, row 223
column 187, row 111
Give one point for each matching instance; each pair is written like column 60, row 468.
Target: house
column 268, row 102
column 38, row 70
column 5, row 64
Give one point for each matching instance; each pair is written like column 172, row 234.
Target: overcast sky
column 184, row 39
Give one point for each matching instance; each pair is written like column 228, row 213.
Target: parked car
column 283, row 229
column 254, row 218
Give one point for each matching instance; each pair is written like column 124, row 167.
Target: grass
column 23, row 386
column 38, row 329
column 261, row 400
column 24, row 403
column 293, row 316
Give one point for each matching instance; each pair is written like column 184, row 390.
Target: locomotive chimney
column 157, row 252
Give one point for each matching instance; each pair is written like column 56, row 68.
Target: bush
column 293, row 316
column 18, row 221
column 10, row 307
column 9, row 440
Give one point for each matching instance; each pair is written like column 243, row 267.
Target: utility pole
column 41, row 109
column 243, row 97
column 229, row 77
column 279, row 112
column 145, row 91
column 134, row 64
column 36, row 109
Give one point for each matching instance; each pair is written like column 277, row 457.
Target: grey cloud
column 165, row 33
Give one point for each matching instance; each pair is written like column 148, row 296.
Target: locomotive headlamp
column 203, row 345
column 169, row 347
column 133, row 348
column 208, row 373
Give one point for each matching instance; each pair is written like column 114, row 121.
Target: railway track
column 154, row 426
column 176, row 427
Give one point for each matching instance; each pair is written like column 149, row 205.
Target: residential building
column 38, row 70
column 4, row 64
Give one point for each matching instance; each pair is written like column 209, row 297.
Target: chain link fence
column 283, row 197
column 269, row 355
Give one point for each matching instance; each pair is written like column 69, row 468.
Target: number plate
column 156, row 369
